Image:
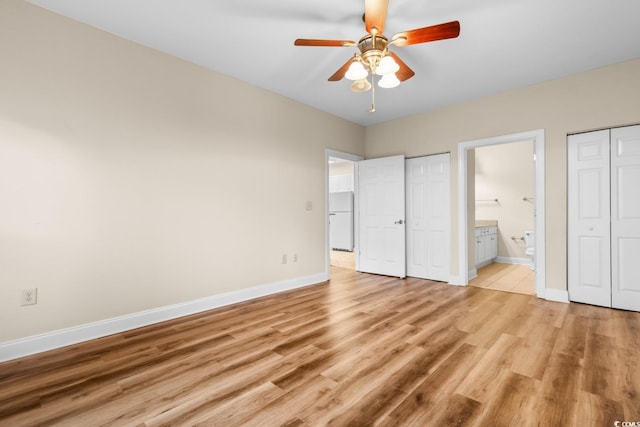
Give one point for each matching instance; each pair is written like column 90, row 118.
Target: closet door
column 428, row 217
column 625, row 217
column 588, row 218
column 381, row 189
column 439, row 216
column 416, row 179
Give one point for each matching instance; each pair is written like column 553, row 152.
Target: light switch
column 309, row 205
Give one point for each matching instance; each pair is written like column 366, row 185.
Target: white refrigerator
column 341, row 220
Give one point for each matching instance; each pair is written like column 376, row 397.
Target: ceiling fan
column 374, row 56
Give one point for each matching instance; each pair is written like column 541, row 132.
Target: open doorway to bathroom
column 504, row 185
column 467, row 198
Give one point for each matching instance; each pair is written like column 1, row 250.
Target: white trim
column 23, row 347
column 538, row 137
column 457, row 280
column 516, row 261
column 558, row 295
column 354, row 158
column 482, row 264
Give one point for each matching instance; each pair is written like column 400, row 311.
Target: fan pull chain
column 373, row 94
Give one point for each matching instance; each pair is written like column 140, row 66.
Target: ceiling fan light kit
column 375, row 56
column 387, row 66
column 361, row 85
column 356, row 71
column 388, row 81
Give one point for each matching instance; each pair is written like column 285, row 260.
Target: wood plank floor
column 507, row 278
column 343, row 259
column 358, row 350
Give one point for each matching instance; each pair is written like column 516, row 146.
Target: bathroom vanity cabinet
column 486, row 245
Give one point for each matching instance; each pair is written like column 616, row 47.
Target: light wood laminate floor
column 506, row 277
column 343, row 259
column 359, row 350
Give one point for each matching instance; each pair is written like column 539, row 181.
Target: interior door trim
column 538, row 136
column 354, row 158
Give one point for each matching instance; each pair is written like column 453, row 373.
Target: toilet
column 530, row 243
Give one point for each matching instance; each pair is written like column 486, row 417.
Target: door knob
column 399, row 222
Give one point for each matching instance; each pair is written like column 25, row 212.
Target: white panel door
column 589, row 271
column 381, row 189
column 428, row 217
column 625, row 217
column 438, row 216
column 416, row 181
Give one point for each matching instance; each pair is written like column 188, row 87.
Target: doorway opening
column 341, row 170
column 467, row 205
column 504, row 215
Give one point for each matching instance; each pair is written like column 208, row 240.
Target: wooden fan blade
column 375, row 14
column 404, row 73
column 338, row 75
column 448, row 30
column 329, row 43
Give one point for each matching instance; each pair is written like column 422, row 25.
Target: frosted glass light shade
column 361, row 85
column 356, row 71
column 387, row 66
column 389, row 81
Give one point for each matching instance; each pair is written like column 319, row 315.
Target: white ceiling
column 503, row 44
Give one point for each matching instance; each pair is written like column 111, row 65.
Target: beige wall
column 341, row 168
column 599, row 98
column 505, row 172
column 131, row 180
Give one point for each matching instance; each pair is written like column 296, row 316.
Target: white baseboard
column 456, row 281
column 460, row 280
column 36, row 344
column 518, row 261
column 558, row 295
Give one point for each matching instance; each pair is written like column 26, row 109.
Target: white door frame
column 463, row 250
column 354, row 158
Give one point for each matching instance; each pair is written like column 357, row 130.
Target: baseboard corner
column 557, row 295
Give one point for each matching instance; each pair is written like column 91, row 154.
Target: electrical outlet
column 295, row 257
column 284, row 258
column 29, row 296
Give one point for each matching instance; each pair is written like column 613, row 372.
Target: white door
column 416, row 181
column 589, row 271
column 381, row 190
column 428, row 217
column 625, row 217
column 439, row 216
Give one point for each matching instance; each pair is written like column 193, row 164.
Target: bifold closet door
column 603, row 216
column 625, row 218
column 588, row 219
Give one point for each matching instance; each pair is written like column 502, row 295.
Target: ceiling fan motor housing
column 372, row 48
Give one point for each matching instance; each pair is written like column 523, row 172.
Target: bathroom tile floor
column 506, row 277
